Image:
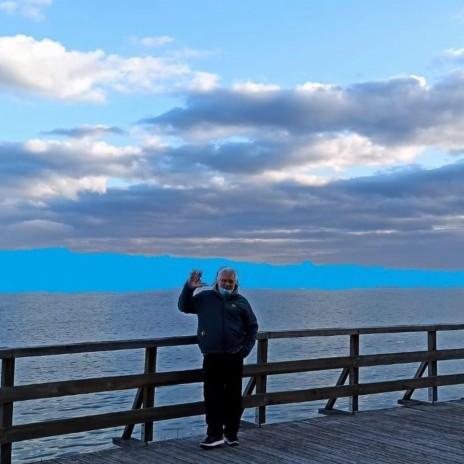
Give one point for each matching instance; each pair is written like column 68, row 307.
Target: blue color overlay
column 61, row 270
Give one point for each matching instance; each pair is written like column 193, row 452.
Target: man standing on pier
column 227, row 329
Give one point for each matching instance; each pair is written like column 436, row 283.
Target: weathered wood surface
column 161, row 379
column 22, row 352
column 408, row 435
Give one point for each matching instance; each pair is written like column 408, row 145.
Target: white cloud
column 8, row 6
column 59, row 193
column 46, row 68
column 312, row 87
column 349, row 150
column 33, row 9
column 41, row 169
column 154, row 41
column 285, row 158
column 187, row 53
column 56, row 186
column 83, row 157
column 203, row 82
column 253, row 87
column 42, row 224
column 454, row 52
column 291, row 175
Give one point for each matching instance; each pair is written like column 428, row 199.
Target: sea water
column 33, row 319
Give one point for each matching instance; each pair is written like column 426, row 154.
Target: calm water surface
column 45, row 319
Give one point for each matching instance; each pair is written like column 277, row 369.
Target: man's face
column 227, row 280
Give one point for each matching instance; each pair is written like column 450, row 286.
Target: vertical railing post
column 354, row 372
column 433, row 366
column 149, row 393
column 261, row 380
column 6, row 409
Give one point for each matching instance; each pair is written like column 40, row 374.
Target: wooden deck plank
column 426, row 430
column 221, row 454
column 369, row 440
column 308, row 441
column 395, row 427
column 362, row 447
column 406, row 434
column 297, row 449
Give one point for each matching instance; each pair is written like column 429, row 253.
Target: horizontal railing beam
column 66, row 426
column 329, row 332
column 91, row 347
column 162, row 379
column 96, row 385
column 340, row 362
column 323, row 393
column 101, row 421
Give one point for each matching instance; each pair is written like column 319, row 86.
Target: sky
column 274, row 132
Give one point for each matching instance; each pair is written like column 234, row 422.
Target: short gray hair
column 226, row 269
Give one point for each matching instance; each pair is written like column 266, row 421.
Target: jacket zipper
column 223, row 325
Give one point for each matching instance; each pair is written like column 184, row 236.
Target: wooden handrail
column 81, row 424
column 331, row 332
column 163, row 379
column 92, row 347
column 89, row 347
column 146, row 412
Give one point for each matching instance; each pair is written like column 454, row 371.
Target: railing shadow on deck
column 145, row 412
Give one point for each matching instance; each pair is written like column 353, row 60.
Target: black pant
column 222, row 391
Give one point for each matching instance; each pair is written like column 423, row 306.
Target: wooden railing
column 145, row 412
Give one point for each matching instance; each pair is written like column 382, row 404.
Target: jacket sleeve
column 186, row 300
column 251, row 330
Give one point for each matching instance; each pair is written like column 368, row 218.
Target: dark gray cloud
column 14, row 162
column 290, row 110
column 392, row 111
column 410, row 219
column 237, row 157
column 42, row 160
column 86, row 131
column 240, row 179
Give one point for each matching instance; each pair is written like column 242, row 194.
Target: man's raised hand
column 195, row 279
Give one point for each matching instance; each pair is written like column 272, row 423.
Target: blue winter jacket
column 226, row 324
